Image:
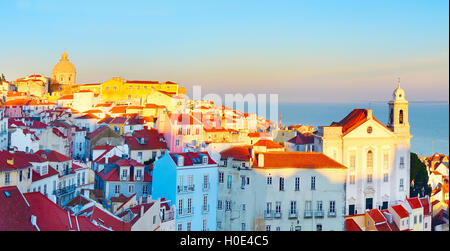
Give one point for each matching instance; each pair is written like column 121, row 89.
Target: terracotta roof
column 426, row 206
column 383, row 227
column 13, row 161
column 121, row 198
column 297, row 160
column 354, row 119
column 376, row 216
column 301, row 139
column 96, row 132
column 51, row 172
column 191, row 158
column 128, row 162
column 401, row 211
column 237, row 153
column 351, row 225
column 414, row 203
column 152, row 140
column 105, row 219
column 15, row 212
column 53, row 156
column 268, row 144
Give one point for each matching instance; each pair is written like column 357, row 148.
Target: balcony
column 168, row 216
column 268, row 214
column 187, row 212
column 186, row 189
column 277, row 215
column 293, row 215
column 308, row 214
column 318, row 214
column 65, row 190
column 206, row 186
column 331, row 214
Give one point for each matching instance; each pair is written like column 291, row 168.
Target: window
column 78, row 179
column 205, row 181
column 369, row 159
column 281, row 184
column 145, row 189
column 116, row 189
column 401, row 185
column 332, row 206
column 401, row 117
column 369, row 178
column 297, row 183
column 386, row 160
column 267, row 227
column 293, row 209
column 205, row 203
column 191, row 181
column 319, row 227
column 385, row 177
column 219, row 205
column 180, row 181
column 420, row 218
column 369, row 130
column 138, row 174
column 415, row 219
column 189, row 226
column 352, row 163
column 313, row 183
column 269, row 180
column 278, row 207
column 243, row 226
column 402, row 162
column 180, row 227
column 180, row 207
column 219, row 225
column 177, row 142
column 130, row 188
column 229, row 181
column 228, row 205
column 319, row 207
column 189, row 206
column 352, row 179
column 220, row 177
column 20, row 175
column 154, row 219
column 205, row 224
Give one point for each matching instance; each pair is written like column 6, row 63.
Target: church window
column 369, row 159
column 352, row 162
column 369, row 130
column 401, row 117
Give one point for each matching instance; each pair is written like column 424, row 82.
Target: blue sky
column 307, row 51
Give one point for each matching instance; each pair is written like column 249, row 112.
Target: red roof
column 96, row 132
column 13, row 161
column 351, row 225
column 268, row 144
column 401, row 211
column 128, row 162
column 297, row 160
column 53, row 156
column 376, row 216
column 191, row 158
column 414, row 203
column 51, row 172
column 152, row 140
column 141, row 82
column 383, row 227
column 136, row 210
column 15, row 212
column 353, row 120
column 426, row 206
column 105, row 219
column 301, row 139
column 237, row 153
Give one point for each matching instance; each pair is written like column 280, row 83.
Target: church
column 377, row 156
column 63, row 76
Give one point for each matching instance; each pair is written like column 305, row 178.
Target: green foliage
column 419, row 176
column 149, row 162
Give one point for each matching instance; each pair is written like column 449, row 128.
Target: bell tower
column 398, row 112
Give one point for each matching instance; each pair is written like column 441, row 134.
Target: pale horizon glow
column 305, row 51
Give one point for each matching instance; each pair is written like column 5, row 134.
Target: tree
column 2, row 78
column 419, row 178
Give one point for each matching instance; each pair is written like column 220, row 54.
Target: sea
column 429, row 122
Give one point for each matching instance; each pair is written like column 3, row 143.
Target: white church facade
column 377, row 155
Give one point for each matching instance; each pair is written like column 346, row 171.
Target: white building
column 280, row 191
column 377, row 156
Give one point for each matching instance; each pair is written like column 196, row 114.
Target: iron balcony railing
column 168, row 216
column 331, row 214
column 186, row 189
column 277, row 215
column 318, row 214
column 293, row 215
column 308, row 214
column 65, row 190
column 268, row 214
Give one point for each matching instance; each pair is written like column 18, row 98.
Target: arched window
column 369, row 159
column 401, row 117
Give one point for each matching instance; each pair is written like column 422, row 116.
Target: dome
column 399, row 93
column 64, row 65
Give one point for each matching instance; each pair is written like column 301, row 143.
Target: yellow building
column 63, row 75
column 134, row 92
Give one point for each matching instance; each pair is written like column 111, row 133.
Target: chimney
column 260, row 160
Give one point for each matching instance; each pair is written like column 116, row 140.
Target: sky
column 304, row 51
